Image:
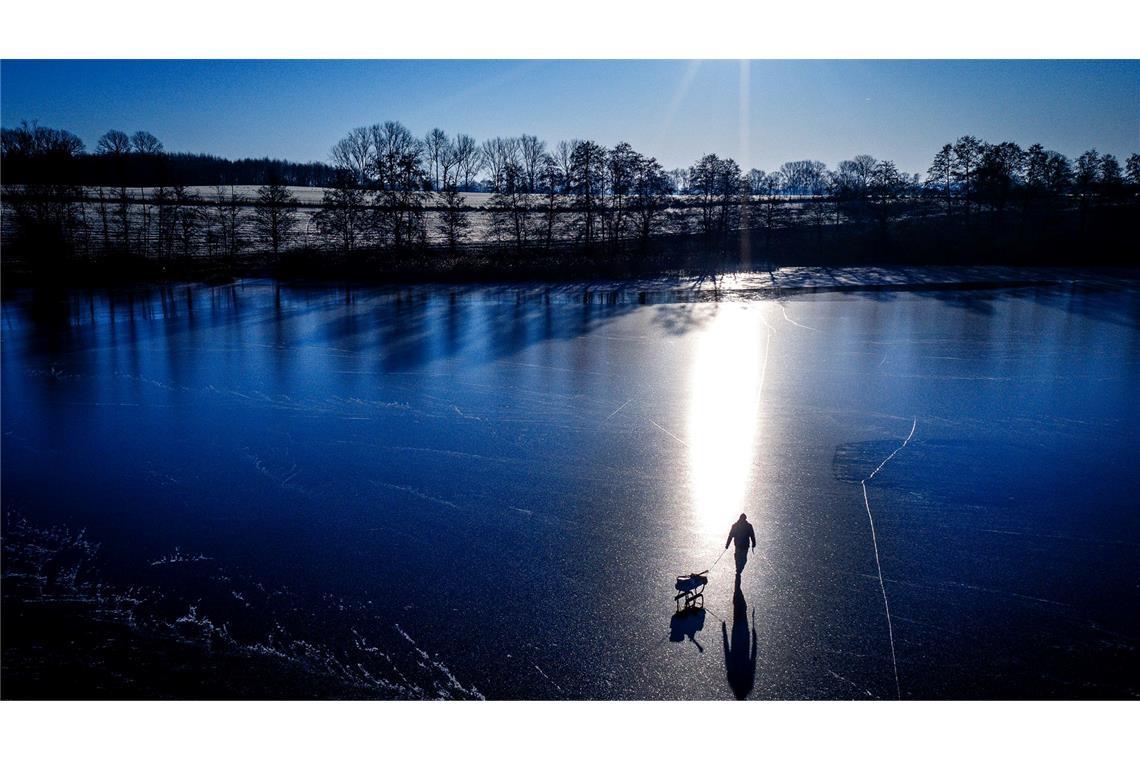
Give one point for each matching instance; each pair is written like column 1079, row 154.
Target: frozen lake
column 468, row 492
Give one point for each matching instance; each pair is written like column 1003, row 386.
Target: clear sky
column 761, row 112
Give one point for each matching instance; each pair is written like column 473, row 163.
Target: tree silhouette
column 401, row 182
column 227, row 218
column 967, row 154
column 275, row 215
column 1132, row 170
column 453, row 219
column 651, row 190
column 510, row 205
column 145, row 144
column 531, row 151
column 115, row 146
column 380, row 192
column 435, row 144
column 1000, row 172
column 940, row 175
column 586, row 181
column 467, row 159
column 343, row 213
column 354, row 153
column 114, row 143
column 621, row 170
column 551, row 181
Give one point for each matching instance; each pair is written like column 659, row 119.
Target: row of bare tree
column 385, row 179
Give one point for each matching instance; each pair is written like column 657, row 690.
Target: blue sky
column 761, row 112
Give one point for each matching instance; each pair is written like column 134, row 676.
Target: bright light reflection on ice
column 725, row 384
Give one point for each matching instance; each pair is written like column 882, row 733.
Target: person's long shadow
column 740, row 653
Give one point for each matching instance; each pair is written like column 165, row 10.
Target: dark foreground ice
column 488, row 492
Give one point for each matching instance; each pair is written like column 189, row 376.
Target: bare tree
column 454, row 220
column 145, row 144
column 1132, row 169
column 275, row 214
column 853, row 177
column 187, row 216
column 551, row 181
column 497, row 153
column 967, row 155
column 621, row 169
column 355, row 153
column 586, row 180
column 1088, row 172
column 680, row 178
column 1111, row 176
column 167, row 232
column 718, row 184
column 651, row 189
column 47, row 214
column 1000, row 173
column 449, row 165
column 1060, row 172
column 510, row 205
column 564, row 156
column 343, row 214
column 756, row 181
column 468, row 158
column 113, row 143
column 401, row 180
column 531, row 151
column 773, row 208
column 227, row 215
column 802, row 177
column 702, row 183
column 940, row 175
column 884, row 187
column 115, row 146
column 146, row 148
column 435, row 143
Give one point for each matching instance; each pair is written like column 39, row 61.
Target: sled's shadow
column 687, row 623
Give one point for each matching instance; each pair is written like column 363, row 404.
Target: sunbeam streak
column 724, row 402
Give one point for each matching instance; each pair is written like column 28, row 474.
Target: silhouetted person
column 741, row 533
column 740, row 655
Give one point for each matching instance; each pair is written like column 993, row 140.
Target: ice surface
column 509, row 480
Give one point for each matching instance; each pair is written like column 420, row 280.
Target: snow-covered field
column 307, row 196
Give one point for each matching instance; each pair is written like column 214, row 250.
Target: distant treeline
column 390, row 193
column 34, row 155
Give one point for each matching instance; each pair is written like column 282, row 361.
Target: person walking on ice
column 741, row 533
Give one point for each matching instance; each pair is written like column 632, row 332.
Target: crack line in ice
column 794, row 322
column 548, row 678
column 878, row 565
column 615, row 411
column 764, row 366
column 892, row 455
column 666, row 432
column 418, row 493
column 848, row 680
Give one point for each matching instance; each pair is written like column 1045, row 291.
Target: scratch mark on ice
column 878, row 564
column 794, row 322
column 666, row 432
column 615, row 411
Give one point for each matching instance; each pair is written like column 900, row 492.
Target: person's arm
column 728, row 540
column 752, row 535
